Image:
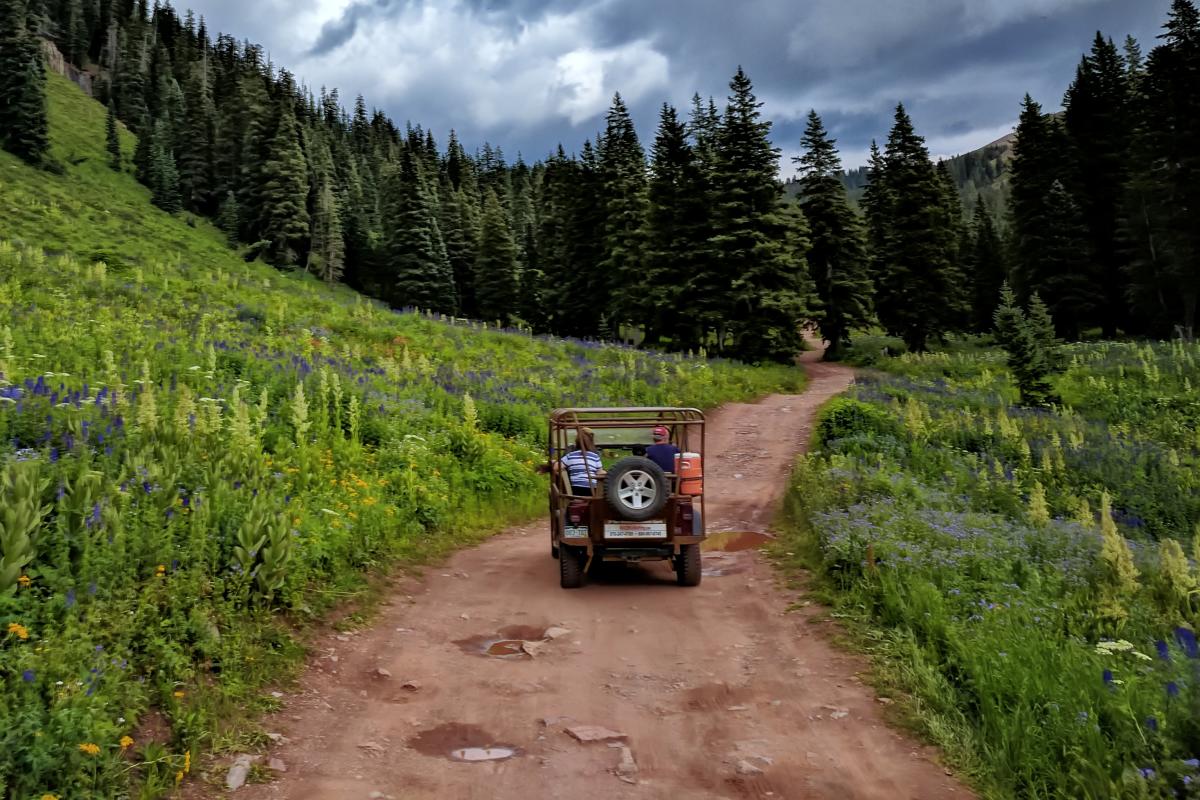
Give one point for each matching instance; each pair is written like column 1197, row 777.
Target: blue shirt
column 663, row 455
column 579, row 464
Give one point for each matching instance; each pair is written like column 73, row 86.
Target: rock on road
column 644, row 690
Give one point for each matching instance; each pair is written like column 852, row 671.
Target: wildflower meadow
column 1026, row 578
column 200, row 457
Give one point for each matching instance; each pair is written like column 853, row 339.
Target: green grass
column 205, row 456
column 966, row 540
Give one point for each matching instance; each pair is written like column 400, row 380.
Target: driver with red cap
column 662, row 452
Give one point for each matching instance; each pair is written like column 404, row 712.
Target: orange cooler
column 690, row 469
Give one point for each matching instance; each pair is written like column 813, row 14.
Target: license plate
column 575, row 532
column 635, row 530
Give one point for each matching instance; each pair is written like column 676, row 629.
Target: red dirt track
column 720, row 692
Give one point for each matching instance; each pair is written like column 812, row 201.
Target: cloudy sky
column 527, row 74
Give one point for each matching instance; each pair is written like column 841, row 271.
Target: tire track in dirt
column 719, row 692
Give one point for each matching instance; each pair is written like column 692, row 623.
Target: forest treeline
column 693, row 243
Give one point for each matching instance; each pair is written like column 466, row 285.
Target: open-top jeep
column 637, row 511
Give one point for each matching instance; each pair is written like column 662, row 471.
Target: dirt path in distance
column 718, row 691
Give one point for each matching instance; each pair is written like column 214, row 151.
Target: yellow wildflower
column 187, row 761
column 179, row 693
column 89, row 749
column 160, row 571
column 18, row 630
column 24, row 580
column 179, row 776
column 48, row 796
column 126, row 742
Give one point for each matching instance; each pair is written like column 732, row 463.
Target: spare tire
column 636, row 489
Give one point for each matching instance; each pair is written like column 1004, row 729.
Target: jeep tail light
column 575, row 512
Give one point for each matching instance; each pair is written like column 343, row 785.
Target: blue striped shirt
column 578, row 464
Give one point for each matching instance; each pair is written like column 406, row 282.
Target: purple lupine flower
column 1164, row 652
column 28, row 676
column 147, row 487
column 53, row 455
column 60, row 492
column 1152, row 723
column 94, row 519
column 1147, row 773
column 1108, row 677
column 1187, row 640
column 70, row 599
column 92, row 589
column 1172, row 689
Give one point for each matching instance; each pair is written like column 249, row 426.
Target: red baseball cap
column 661, row 433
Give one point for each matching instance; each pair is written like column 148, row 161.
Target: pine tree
column 1165, row 191
column 622, row 165
column 112, row 138
column 196, row 148
column 496, row 281
column 1099, row 129
column 163, row 176
column 916, row 263
column 837, row 260
column 414, row 260
column 327, row 253
column 676, row 234
column 461, row 244
column 1023, row 341
column 987, row 266
column 23, row 125
column 77, row 34
column 284, row 192
column 1066, row 283
column 754, row 238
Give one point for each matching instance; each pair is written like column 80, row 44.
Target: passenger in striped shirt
column 583, row 465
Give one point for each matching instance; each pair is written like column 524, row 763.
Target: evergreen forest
column 681, row 241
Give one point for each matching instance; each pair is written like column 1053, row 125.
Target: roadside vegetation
column 1026, row 577
column 199, row 456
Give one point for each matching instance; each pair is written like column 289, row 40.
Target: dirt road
column 718, row 691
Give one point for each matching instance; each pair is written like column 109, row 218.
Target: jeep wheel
column 636, row 489
column 688, row 570
column 570, row 568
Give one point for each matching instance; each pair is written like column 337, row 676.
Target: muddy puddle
column 459, row 742
column 735, row 541
column 507, row 643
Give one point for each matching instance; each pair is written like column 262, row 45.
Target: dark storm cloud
column 530, row 73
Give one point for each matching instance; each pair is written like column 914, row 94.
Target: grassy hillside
column 200, row 455
column 1024, row 574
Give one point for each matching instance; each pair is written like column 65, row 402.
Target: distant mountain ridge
column 981, row 174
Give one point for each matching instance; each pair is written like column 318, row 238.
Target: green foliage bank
column 1023, row 574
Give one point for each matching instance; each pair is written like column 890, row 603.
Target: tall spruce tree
column 23, row 124
column 414, row 263
column 327, row 254
column 1164, row 193
column 919, row 239
column 496, row 279
column 112, row 138
column 622, row 164
column 754, row 238
column 1099, row 127
column 163, row 176
column 461, row 243
column 676, row 234
column 195, row 148
column 284, row 191
column 837, row 260
column 987, row 265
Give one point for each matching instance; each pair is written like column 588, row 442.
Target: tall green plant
column 21, row 512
